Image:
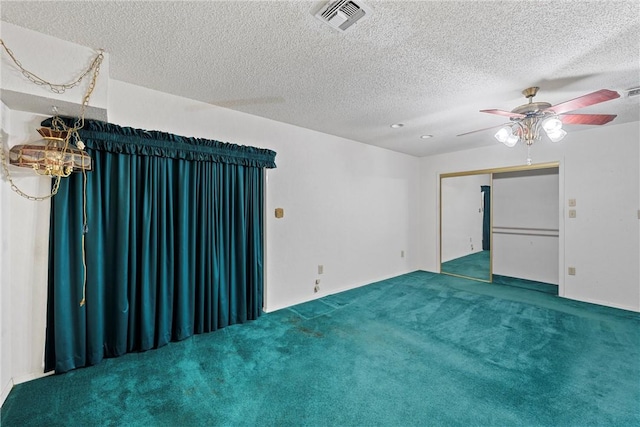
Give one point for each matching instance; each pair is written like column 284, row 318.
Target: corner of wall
column 6, row 380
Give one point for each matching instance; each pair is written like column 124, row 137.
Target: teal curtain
column 486, row 217
column 173, row 244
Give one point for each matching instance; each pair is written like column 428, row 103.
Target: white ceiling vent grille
column 342, row 14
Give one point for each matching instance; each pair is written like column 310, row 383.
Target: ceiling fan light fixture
column 503, row 133
column 553, row 128
column 529, row 120
column 551, row 125
column 557, row 135
column 506, row 136
column 511, row 141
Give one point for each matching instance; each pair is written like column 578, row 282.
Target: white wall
column 526, row 214
column 24, row 253
column 599, row 168
column 462, row 215
column 348, row 206
column 24, row 224
column 6, row 340
column 603, row 177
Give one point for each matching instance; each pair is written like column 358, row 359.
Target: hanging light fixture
column 507, row 136
column 528, row 130
column 52, row 155
column 553, row 127
column 529, row 122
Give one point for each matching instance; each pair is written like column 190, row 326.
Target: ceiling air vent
column 633, row 92
column 342, row 14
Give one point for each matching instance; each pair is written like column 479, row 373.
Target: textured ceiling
column 431, row 65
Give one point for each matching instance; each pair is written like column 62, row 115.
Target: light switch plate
column 572, row 213
column 279, row 213
column 572, row 202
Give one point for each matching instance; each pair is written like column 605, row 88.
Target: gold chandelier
column 51, row 156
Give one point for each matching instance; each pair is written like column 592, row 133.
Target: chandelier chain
column 53, row 87
column 57, row 123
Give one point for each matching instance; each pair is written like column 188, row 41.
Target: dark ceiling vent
column 342, row 14
column 633, row 92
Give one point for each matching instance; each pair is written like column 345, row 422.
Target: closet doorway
column 526, row 228
column 521, row 206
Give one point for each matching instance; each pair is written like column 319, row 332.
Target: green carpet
column 420, row 349
column 474, row 265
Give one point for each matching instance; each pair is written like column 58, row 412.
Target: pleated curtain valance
column 112, row 138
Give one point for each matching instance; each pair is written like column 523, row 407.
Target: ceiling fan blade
column 504, row 113
column 593, row 98
column 480, row 130
column 586, row 119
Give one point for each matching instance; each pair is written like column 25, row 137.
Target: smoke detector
column 342, row 14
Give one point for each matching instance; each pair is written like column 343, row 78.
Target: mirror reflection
column 465, row 238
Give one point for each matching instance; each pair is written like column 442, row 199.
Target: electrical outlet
column 572, row 271
column 572, row 202
column 572, row 213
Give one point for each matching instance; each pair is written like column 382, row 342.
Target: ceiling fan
column 527, row 119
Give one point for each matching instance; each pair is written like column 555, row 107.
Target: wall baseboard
column 5, row 391
column 605, row 304
column 30, row 377
column 271, row 309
